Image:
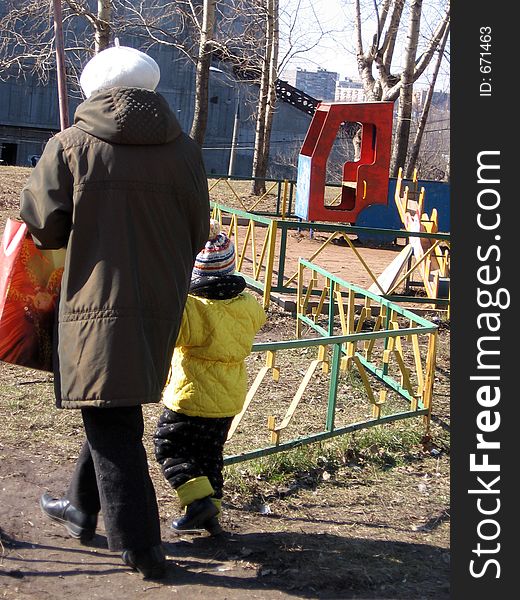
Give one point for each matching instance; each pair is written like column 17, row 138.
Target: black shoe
column 200, row 515
column 212, row 526
column 80, row 525
column 151, row 562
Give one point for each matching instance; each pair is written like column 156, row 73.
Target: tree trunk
column 389, row 86
column 258, row 186
column 414, row 152
column 61, row 75
column 200, row 117
column 404, row 113
column 271, row 101
column 102, row 32
column 364, row 61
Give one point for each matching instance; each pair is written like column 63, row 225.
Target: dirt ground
column 346, row 531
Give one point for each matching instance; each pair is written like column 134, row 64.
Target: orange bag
column 29, row 286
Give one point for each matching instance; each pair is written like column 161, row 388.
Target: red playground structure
column 365, row 181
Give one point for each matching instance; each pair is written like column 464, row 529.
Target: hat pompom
column 214, row 229
column 119, row 66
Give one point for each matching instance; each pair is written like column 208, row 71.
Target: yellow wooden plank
column 345, row 364
column 299, row 300
column 235, row 194
column 250, row 395
column 369, row 344
column 241, row 255
column 351, row 311
column 266, row 193
column 430, row 375
column 253, row 244
column 362, row 261
column 397, row 340
column 284, row 197
column 341, row 311
column 308, row 293
column 361, row 320
column 418, row 363
column 273, row 231
column 234, row 225
column 217, row 181
column 263, row 251
column 323, row 356
column 271, row 426
column 316, row 311
column 298, row 396
column 405, row 375
column 364, row 379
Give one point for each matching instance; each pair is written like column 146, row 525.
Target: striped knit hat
column 217, row 258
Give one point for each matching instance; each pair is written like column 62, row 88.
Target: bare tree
column 404, row 112
column 61, row 75
column 379, row 55
column 266, row 97
column 414, row 151
column 242, row 34
column 201, row 31
column 99, row 21
column 271, row 61
column 274, row 9
column 102, row 26
column 203, row 62
column 27, row 37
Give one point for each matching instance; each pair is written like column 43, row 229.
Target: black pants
column 112, row 475
column 189, row 447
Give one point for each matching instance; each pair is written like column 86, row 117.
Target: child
column 207, row 384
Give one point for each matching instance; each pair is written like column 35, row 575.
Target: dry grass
column 30, row 419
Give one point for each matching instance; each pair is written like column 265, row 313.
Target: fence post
column 270, row 262
column 333, row 386
column 284, row 198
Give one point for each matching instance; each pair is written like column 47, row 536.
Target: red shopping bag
column 29, row 286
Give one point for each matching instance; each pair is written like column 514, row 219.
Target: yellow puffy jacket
column 208, row 375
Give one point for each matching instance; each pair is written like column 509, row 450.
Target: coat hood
column 127, row 115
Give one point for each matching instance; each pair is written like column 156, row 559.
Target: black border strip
column 483, row 326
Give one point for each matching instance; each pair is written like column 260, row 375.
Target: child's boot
column 199, row 515
column 212, row 526
column 195, row 495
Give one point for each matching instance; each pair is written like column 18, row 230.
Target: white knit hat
column 119, row 66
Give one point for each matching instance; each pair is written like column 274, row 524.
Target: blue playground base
column 437, row 195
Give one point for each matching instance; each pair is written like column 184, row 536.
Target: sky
column 335, row 51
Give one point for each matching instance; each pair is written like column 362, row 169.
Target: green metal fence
column 390, row 350
column 268, row 251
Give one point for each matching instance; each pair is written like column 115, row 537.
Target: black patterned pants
column 188, row 447
column 111, row 475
